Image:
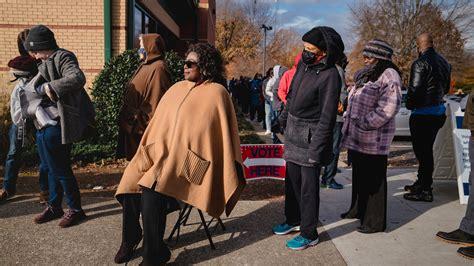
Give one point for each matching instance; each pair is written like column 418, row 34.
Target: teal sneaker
column 300, row 243
column 283, row 229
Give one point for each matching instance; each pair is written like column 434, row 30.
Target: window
column 137, row 26
column 142, row 24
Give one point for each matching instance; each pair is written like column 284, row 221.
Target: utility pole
column 265, row 29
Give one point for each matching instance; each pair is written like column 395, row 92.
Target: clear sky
column 302, row 15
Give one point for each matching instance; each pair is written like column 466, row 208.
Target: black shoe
column 466, row 252
column 162, row 261
column 365, row 230
column 413, row 188
column 422, row 195
column 334, row 185
column 125, row 252
column 456, row 237
column 349, row 215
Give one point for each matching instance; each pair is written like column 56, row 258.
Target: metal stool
column 183, row 218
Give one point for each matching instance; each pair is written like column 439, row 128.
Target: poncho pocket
column 194, row 168
column 146, row 157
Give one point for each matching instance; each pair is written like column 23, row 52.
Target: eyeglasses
column 189, row 63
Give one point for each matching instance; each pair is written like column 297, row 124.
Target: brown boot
column 5, row 195
column 71, row 218
column 125, row 252
column 43, row 197
column 48, row 214
column 467, row 252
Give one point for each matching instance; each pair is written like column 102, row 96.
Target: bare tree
column 399, row 22
column 240, row 39
column 284, row 46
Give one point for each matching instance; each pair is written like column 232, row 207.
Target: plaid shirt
column 369, row 122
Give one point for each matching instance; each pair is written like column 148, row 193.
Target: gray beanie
column 378, row 49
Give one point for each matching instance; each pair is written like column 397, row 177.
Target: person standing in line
column 330, row 171
column 23, row 68
column 464, row 235
column 68, row 116
column 255, row 89
column 286, row 79
column 429, row 81
column 308, row 118
column 277, row 104
column 143, row 93
column 368, row 131
column 268, row 102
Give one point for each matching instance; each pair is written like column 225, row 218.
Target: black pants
column 253, row 111
column 302, row 198
column 423, row 129
column 131, row 229
column 369, row 190
column 261, row 112
column 154, row 211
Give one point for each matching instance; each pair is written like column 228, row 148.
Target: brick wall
column 78, row 26
column 119, row 26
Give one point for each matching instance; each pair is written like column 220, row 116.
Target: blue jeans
column 57, row 157
column 268, row 115
column 331, row 169
column 271, row 115
column 13, row 163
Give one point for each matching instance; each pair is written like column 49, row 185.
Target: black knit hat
column 40, row 38
column 378, row 49
column 315, row 36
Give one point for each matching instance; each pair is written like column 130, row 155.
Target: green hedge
column 107, row 92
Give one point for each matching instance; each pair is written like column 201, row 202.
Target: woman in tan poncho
column 190, row 151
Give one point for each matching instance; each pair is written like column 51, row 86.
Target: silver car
column 402, row 119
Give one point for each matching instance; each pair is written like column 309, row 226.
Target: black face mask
column 308, row 57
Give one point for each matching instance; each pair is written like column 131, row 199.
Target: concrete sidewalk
column 247, row 239
column 409, row 239
column 411, row 227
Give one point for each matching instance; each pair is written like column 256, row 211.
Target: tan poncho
column 191, row 148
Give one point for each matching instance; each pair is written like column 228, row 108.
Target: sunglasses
column 189, row 63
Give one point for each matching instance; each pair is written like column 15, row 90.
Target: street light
column 265, row 29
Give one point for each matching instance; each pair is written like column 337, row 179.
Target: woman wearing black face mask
column 309, row 117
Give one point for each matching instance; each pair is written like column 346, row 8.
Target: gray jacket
column 62, row 73
column 344, row 93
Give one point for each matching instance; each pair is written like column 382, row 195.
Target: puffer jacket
column 430, row 79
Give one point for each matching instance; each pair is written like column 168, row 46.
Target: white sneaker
column 268, row 132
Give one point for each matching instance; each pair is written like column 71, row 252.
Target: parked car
column 402, row 119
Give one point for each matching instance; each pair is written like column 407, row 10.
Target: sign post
column 451, row 149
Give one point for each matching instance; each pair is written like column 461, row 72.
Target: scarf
column 363, row 75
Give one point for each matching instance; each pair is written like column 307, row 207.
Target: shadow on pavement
column 27, row 205
column 399, row 211
column 244, row 231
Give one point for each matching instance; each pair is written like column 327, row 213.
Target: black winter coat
column 310, row 113
column 430, row 80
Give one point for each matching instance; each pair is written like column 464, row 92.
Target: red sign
column 263, row 161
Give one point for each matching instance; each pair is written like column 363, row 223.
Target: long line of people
column 175, row 160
